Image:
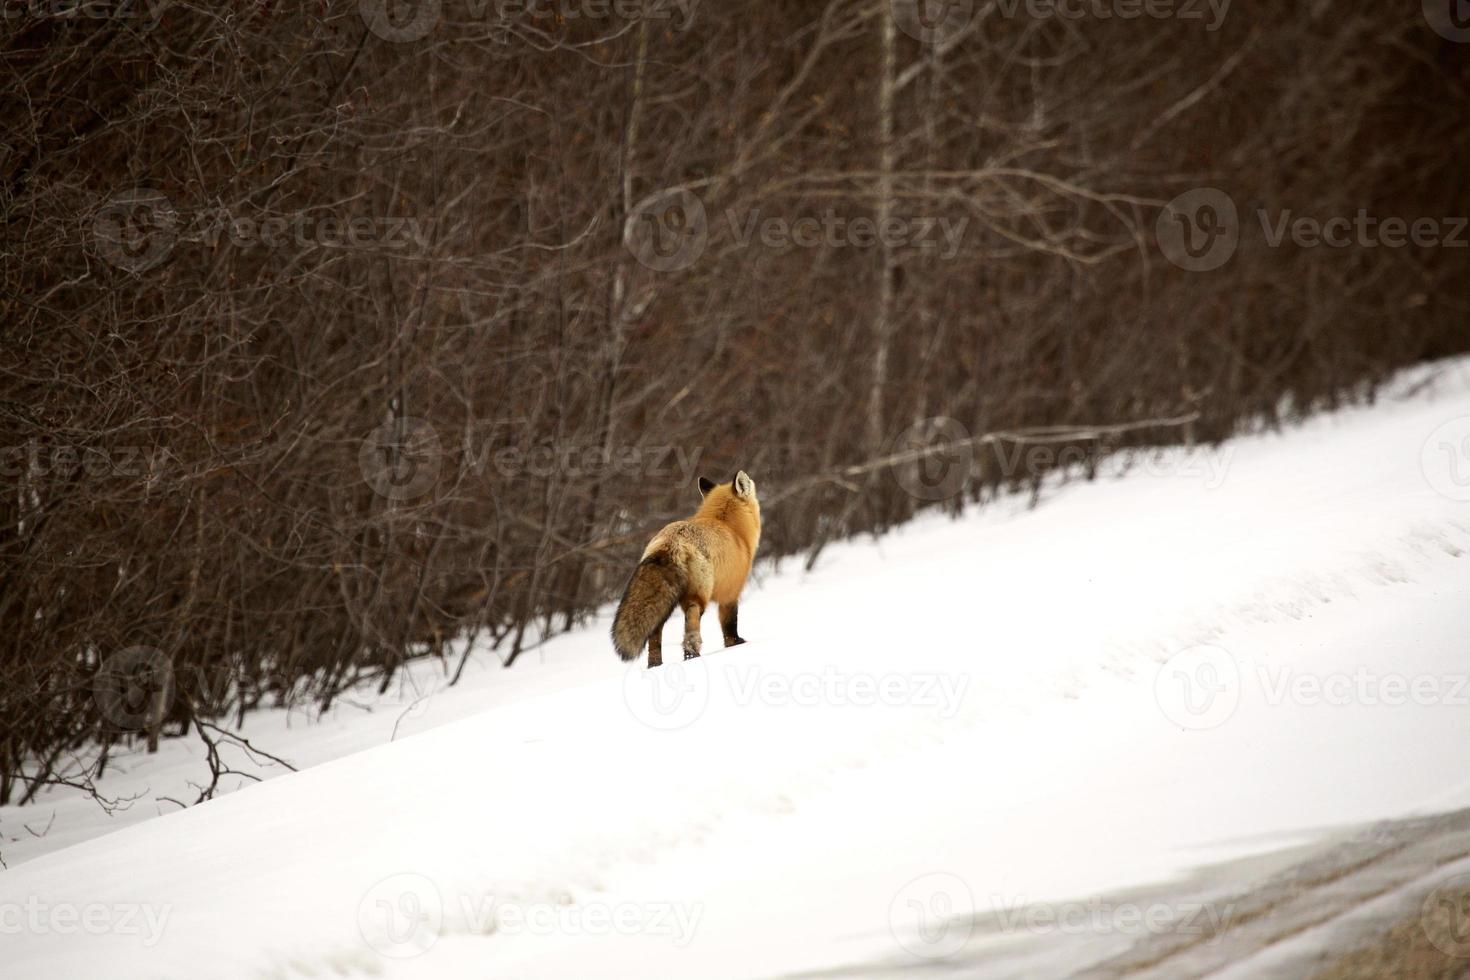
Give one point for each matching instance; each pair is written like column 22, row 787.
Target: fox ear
column 705, row 486
column 743, row 485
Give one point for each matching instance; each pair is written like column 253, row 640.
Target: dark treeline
column 332, row 336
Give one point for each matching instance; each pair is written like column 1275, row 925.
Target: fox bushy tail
column 650, row 597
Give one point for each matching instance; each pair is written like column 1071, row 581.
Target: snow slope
column 934, row 749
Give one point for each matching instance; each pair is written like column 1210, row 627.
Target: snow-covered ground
column 933, row 752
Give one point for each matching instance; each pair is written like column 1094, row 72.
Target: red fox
column 690, row 564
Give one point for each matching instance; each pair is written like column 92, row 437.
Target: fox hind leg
column 729, row 612
column 693, row 610
column 656, row 644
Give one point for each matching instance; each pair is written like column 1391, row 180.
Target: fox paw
column 690, row 654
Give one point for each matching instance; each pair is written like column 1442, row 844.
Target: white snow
column 1218, row 656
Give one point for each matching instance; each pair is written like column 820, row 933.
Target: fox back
column 724, row 534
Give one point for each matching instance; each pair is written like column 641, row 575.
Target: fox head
column 731, row 501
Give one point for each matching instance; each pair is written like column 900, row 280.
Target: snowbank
column 1220, row 656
